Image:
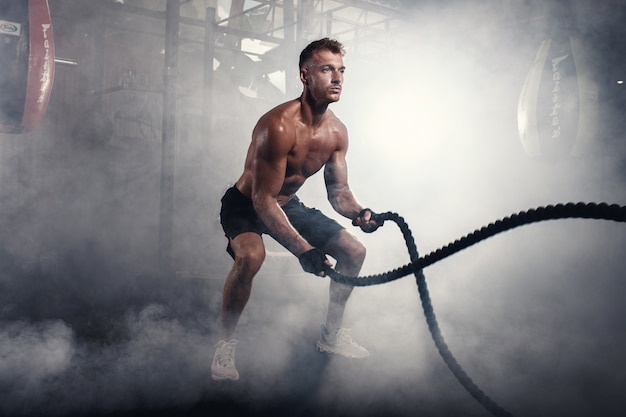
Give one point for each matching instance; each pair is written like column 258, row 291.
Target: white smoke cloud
column 533, row 315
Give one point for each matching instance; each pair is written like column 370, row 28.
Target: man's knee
column 358, row 252
column 249, row 253
column 347, row 248
column 250, row 259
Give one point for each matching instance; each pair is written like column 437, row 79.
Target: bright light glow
column 620, row 82
column 425, row 111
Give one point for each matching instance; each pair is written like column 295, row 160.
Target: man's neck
column 312, row 113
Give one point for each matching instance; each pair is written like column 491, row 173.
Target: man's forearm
column 344, row 203
column 280, row 228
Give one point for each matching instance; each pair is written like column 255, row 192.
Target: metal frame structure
column 361, row 25
column 310, row 18
column 281, row 26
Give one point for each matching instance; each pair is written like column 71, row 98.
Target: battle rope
column 600, row 211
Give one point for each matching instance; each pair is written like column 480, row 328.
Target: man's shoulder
column 285, row 109
column 335, row 124
column 279, row 123
column 332, row 118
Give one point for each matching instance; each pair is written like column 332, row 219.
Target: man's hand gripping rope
column 368, row 221
column 315, row 262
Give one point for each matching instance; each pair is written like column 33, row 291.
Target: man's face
column 323, row 76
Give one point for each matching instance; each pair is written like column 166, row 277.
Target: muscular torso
column 306, row 148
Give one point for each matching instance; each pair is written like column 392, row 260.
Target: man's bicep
column 336, row 169
column 268, row 176
column 336, row 172
column 269, row 163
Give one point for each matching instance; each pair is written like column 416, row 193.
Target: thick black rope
column 600, row 211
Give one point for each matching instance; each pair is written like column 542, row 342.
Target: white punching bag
column 557, row 109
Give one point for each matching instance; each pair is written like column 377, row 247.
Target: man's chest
column 309, row 154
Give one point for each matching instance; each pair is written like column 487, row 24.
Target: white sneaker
column 341, row 343
column 223, row 366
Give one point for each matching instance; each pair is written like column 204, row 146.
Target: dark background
column 91, row 324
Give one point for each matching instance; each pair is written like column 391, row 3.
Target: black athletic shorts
column 237, row 216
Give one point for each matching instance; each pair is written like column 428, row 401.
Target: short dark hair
column 331, row 45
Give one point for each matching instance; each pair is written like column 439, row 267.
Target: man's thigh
column 312, row 224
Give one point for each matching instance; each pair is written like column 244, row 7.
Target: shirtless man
column 289, row 144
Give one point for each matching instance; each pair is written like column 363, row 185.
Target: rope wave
column 600, row 211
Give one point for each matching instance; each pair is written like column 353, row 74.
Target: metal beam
column 168, row 143
column 209, row 54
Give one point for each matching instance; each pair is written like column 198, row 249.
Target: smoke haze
column 88, row 325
